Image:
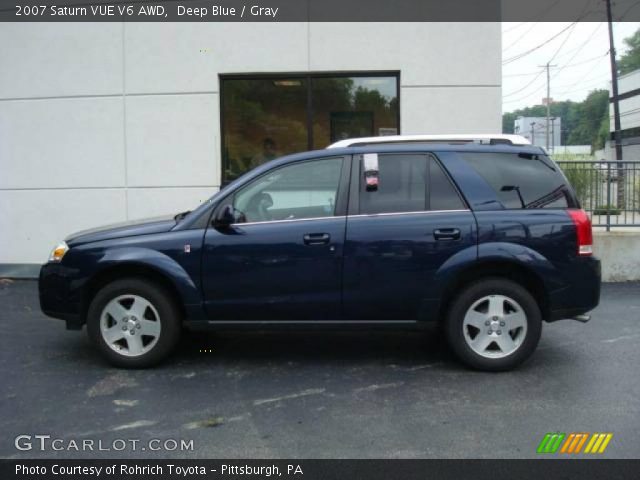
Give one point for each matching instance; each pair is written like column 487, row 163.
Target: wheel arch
column 494, row 268
column 119, row 271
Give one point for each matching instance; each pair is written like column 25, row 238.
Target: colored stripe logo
column 551, row 442
column 573, row 443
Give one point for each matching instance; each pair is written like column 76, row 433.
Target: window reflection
column 264, row 118
column 353, row 107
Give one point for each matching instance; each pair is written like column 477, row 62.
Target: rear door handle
column 316, row 239
column 446, row 234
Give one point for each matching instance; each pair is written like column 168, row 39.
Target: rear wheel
column 134, row 323
column 494, row 324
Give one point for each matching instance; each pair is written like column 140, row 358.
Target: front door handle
column 446, row 234
column 316, row 239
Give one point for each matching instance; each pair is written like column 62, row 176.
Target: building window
column 267, row 116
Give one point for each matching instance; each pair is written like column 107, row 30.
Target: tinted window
column 354, row 106
column 402, row 185
column 302, row 190
column 522, row 180
column 267, row 117
column 442, row 194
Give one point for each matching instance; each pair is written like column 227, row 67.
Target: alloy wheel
column 495, row 326
column 130, row 325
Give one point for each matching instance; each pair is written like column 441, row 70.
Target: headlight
column 58, row 252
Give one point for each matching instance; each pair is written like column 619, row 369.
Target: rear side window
column 522, row 180
column 442, row 194
column 408, row 183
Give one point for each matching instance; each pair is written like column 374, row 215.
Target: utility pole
column 533, row 138
column 616, row 108
column 548, row 67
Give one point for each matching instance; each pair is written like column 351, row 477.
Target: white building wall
column 522, row 126
column 629, row 107
column 107, row 122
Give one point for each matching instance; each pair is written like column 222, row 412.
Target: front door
column 400, row 231
column 282, row 258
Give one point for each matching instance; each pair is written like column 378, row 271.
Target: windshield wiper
column 181, row 215
column 539, row 158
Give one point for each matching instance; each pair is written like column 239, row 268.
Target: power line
column 525, row 87
column 526, row 96
column 515, row 42
column 520, row 74
column 569, row 88
column 540, row 73
column 524, row 54
column 582, row 62
column 585, row 11
column 580, row 48
column 628, row 10
column 513, row 28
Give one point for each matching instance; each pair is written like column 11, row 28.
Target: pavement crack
column 111, row 384
column 374, row 387
column 622, row 337
column 304, row 393
column 136, row 424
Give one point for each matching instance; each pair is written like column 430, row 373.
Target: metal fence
column 608, row 191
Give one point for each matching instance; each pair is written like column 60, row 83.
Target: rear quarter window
column 522, row 180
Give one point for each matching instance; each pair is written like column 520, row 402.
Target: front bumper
column 58, row 298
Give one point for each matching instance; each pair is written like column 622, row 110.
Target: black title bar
column 316, row 10
column 547, row 469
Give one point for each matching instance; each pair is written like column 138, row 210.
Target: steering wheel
column 259, row 207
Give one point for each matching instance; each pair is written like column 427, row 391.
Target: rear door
column 400, row 232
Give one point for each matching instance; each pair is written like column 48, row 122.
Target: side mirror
column 225, row 216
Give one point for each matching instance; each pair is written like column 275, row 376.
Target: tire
column 134, row 323
column 511, row 334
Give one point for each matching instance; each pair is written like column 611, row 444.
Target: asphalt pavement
column 316, row 394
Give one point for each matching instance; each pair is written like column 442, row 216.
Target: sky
column 579, row 50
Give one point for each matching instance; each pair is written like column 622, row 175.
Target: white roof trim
column 484, row 138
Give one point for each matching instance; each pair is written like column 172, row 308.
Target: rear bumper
column 581, row 295
column 58, row 299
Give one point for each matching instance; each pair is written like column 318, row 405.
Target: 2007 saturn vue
column 483, row 235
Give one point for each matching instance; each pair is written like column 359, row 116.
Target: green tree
column 591, row 113
column 630, row 61
column 581, row 121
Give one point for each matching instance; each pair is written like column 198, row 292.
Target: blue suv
column 487, row 238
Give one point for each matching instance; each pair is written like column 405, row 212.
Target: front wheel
column 494, row 324
column 134, row 323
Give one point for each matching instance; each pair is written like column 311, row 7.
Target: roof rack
column 483, row 139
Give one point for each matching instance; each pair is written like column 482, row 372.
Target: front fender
column 160, row 262
column 165, row 254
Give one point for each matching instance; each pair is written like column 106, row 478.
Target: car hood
column 124, row 229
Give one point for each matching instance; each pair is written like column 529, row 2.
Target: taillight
column 583, row 231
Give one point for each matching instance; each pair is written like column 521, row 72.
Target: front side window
column 298, row 191
column 522, row 180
